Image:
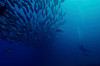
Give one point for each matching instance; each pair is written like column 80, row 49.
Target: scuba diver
column 85, row 51
column 80, row 43
column 3, row 7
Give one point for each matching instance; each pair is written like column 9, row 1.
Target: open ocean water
column 78, row 45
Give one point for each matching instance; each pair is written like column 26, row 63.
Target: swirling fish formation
column 31, row 21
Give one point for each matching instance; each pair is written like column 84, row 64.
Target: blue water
column 82, row 27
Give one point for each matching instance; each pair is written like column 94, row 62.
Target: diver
column 85, row 51
column 3, row 7
column 80, row 43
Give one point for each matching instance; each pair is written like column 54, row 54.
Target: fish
column 19, row 5
column 20, row 16
column 12, row 2
column 59, row 30
column 36, row 8
column 3, row 9
column 2, row 3
column 25, row 5
column 32, row 10
column 23, row 8
column 39, row 21
column 29, row 4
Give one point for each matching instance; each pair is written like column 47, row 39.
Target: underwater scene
column 49, row 32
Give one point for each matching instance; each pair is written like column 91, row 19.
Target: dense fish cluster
column 31, row 21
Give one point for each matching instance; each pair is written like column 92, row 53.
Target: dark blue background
column 82, row 25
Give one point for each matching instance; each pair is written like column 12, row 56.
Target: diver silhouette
column 80, row 43
column 85, row 51
column 3, row 7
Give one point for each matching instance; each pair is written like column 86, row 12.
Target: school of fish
column 31, row 21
